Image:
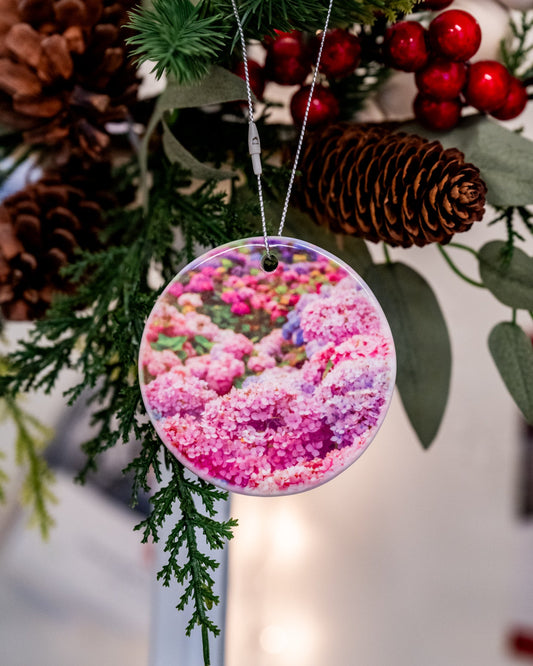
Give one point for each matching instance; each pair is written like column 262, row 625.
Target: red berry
column 515, row 102
column 341, row 53
column 286, row 71
column 435, row 115
column 487, row 85
column 455, row 34
column 287, row 44
column 405, row 46
column 324, row 106
column 287, row 61
column 256, row 74
column 441, row 79
column 434, row 4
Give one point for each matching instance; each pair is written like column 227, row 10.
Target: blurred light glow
column 292, row 639
column 289, row 534
column 273, row 639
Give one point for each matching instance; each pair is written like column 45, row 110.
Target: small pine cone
column 372, row 182
column 64, row 72
column 41, row 226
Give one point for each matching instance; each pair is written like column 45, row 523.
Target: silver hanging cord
column 253, row 135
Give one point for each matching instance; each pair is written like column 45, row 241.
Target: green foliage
column 218, row 86
column 509, row 216
column 4, row 478
column 30, row 440
column 422, row 344
column 175, row 36
column 512, row 352
column 97, row 330
column 510, row 279
column 516, row 50
column 185, row 39
column 262, row 17
column 194, row 575
column 177, row 154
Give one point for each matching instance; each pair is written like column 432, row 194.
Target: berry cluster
column 446, row 80
column 289, row 60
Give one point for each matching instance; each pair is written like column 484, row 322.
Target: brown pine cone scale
column 372, row 182
column 42, row 227
column 64, row 72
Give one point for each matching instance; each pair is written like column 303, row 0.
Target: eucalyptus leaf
column 504, row 158
column 219, row 86
column 175, row 152
column 512, row 352
column 511, row 282
column 422, row 344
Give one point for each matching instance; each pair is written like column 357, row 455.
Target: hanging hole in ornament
column 269, row 262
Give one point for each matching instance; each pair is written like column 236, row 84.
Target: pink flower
column 261, row 362
column 250, row 281
column 245, row 293
column 200, row 324
column 177, row 393
column 259, row 301
column 158, row 362
column 198, row 365
column 222, row 371
column 175, row 289
column 339, row 316
column 240, row 308
column 236, row 344
column 193, row 300
column 271, row 344
column 229, row 296
column 277, row 312
column 200, row 282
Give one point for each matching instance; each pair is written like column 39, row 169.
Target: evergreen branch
column 174, row 36
column 183, row 40
column 194, row 574
column 516, row 49
column 146, row 461
column 261, row 17
column 3, row 479
column 526, row 216
column 97, row 332
column 508, row 215
column 31, row 438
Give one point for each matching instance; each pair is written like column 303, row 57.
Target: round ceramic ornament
column 267, row 382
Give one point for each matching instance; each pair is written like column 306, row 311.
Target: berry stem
column 457, row 270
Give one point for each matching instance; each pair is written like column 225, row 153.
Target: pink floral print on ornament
column 267, row 383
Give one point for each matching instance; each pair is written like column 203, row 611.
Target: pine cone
column 64, row 72
column 399, row 188
column 40, row 228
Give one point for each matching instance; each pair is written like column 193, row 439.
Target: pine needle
column 176, row 38
column 31, row 439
